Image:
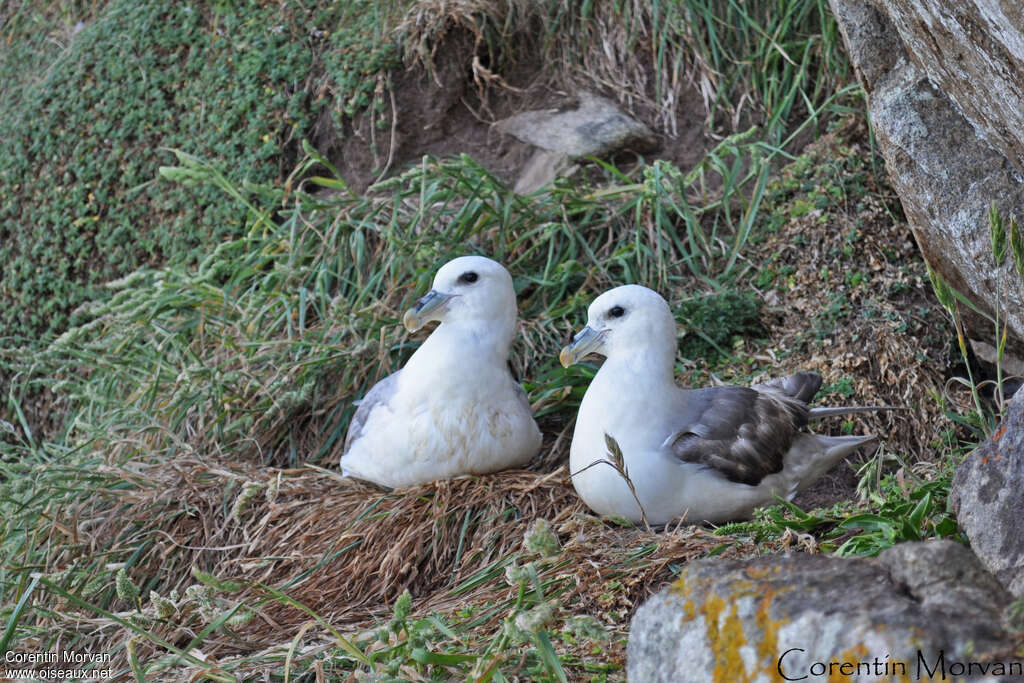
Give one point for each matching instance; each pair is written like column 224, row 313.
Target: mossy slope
column 240, row 83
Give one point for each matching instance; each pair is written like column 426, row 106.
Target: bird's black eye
column 469, row 277
column 616, row 312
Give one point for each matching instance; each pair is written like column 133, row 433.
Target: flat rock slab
column 988, row 496
column 918, row 610
column 596, row 128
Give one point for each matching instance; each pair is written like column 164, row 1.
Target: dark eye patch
column 469, row 277
column 616, row 312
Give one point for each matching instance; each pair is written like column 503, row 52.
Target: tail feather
column 803, row 385
column 844, row 445
column 829, row 411
column 815, row 454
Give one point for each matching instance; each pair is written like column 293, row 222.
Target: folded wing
column 380, row 394
column 740, row 432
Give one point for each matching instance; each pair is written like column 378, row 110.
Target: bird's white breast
column 455, row 411
column 639, row 421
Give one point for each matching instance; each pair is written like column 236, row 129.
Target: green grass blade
column 12, row 621
column 548, row 656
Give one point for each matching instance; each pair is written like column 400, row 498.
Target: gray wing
column 520, row 392
column 801, row 386
column 740, row 432
column 380, row 393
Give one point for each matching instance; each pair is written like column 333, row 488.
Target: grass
column 253, row 355
column 189, row 506
column 299, row 311
column 895, row 506
column 132, row 79
column 231, row 83
column 252, row 358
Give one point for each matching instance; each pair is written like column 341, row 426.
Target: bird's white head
column 468, row 291
column 626, row 321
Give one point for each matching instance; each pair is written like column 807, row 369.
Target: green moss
column 714, row 322
column 843, row 387
column 235, row 83
column 822, row 180
column 355, row 56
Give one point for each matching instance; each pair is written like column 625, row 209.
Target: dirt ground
column 452, row 111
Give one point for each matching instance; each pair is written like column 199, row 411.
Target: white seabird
column 709, row 454
column 455, row 407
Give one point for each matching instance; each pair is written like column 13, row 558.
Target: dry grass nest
column 347, row 550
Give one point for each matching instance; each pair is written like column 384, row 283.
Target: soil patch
column 847, row 295
column 450, row 110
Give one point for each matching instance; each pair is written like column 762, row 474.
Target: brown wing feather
column 741, row 432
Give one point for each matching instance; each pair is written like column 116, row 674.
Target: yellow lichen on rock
column 680, row 588
column 851, row 655
column 724, row 628
column 768, row 643
column 726, row 637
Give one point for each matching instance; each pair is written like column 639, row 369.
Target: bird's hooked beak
column 587, row 340
column 425, row 310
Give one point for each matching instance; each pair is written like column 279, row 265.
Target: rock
column 541, row 168
column 870, row 40
column 986, row 366
column 973, row 51
column 1012, row 365
column 988, row 496
column 918, row 610
column 944, row 83
column 596, row 127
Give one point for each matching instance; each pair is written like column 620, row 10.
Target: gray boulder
column 988, row 496
column 917, row 610
column 595, row 127
column 944, row 83
column 973, row 51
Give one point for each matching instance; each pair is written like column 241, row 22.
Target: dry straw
column 346, row 550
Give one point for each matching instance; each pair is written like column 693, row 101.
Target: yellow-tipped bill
column 587, row 340
column 425, row 310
